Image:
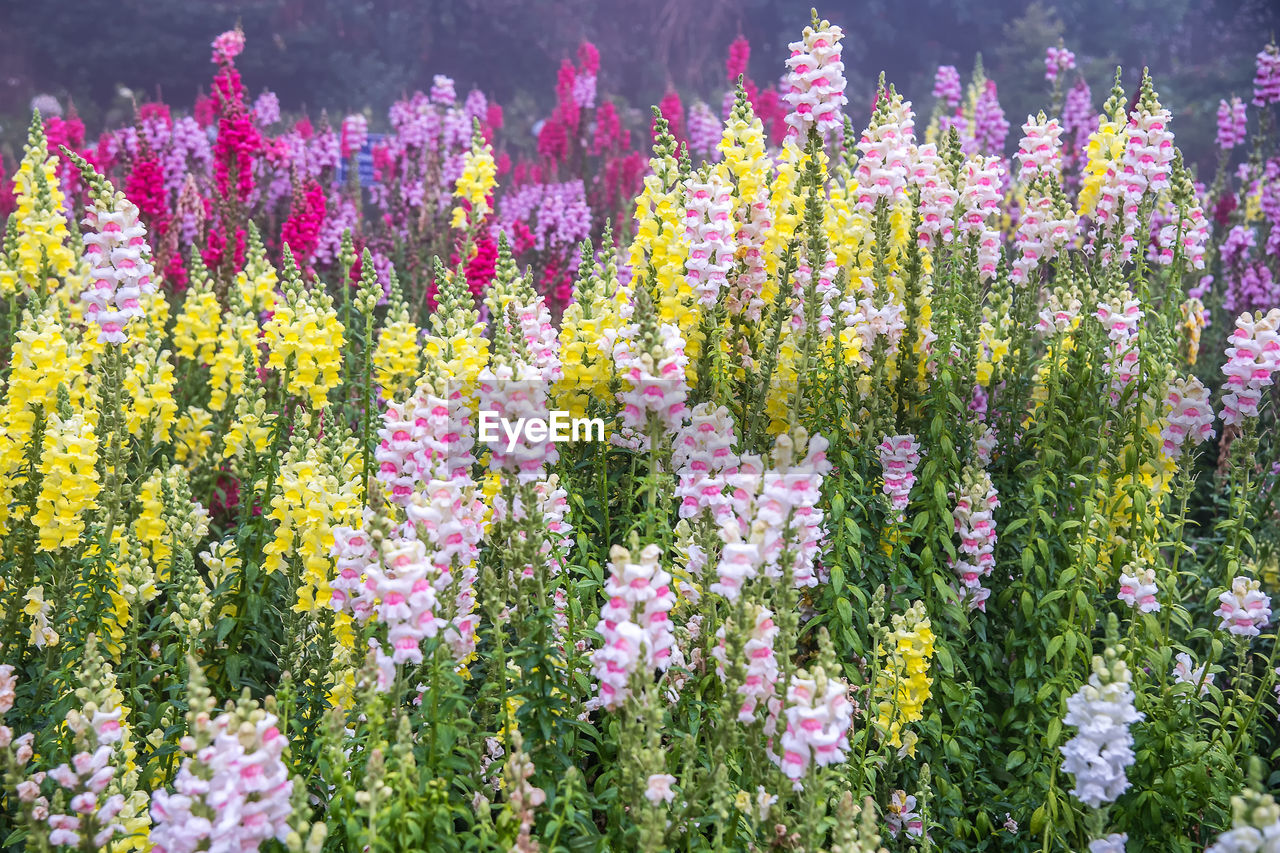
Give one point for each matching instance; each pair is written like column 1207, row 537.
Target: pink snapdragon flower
column 1266, row 82
column 1138, row 588
column 814, row 87
column 1057, row 61
column 634, row 623
column 818, row 717
column 1252, row 358
column 760, row 683
column 1188, row 416
column 899, row 456
column 120, row 268
column 709, row 233
column 1232, row 123
column 946, row 86
column 1244, row 609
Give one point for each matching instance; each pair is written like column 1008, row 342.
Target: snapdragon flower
column 1244, row 609
column 815, row 81
column 1138, row 588
column 1188, row 416
column 1057, row 60
column 1102, row 750
column 1185, row 672
column 634, row 624
column 818, row 718
column 899, row 456
column 709, row 232
column 1266, row 81
column 1232, row 121
column 760, row 682
column 885, row 149
column 1252, row 358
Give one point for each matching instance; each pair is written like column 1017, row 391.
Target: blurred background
column 348, row 55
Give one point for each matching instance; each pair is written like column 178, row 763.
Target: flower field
column 776, row 474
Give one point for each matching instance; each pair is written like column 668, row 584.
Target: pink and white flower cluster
column 1120, row 318
column 761, row 665
column 975, row 525
column 1138, row 588
column 86, row 778
column 1188, row 416
column 1186, row 672
column 815, row 82
column 1252, row 358
column 885, row 149
column 980, row 193
column 120, row 267
column 634, row 623
column 777, row 513
column 702, row 454
column 1040, row 151
column 424, row 437
column 233, row 794
column 1047, row 225
column 1057, row 61
column 709, row 231
column 402, row 586
column 1244, row 609
column 899, row 456
column 654, row 373
column 355, row 132
column 818, row 717
column 515, row 392
column 937, row 197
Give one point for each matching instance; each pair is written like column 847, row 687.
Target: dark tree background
column 342, row 55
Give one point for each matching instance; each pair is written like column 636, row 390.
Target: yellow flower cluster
column 585, row 354
column 195, row 331
column 902, row 686
column 237, row 337
column 42, row 255
column 317, row 491
column 304, row 339
column 396, row 360
column 457, row 343
column 69, row 482
column 193, row 437
column 149, row 382
column 475, row 184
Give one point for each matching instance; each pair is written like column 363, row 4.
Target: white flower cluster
column 1255, row 826
column 1100, row 753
